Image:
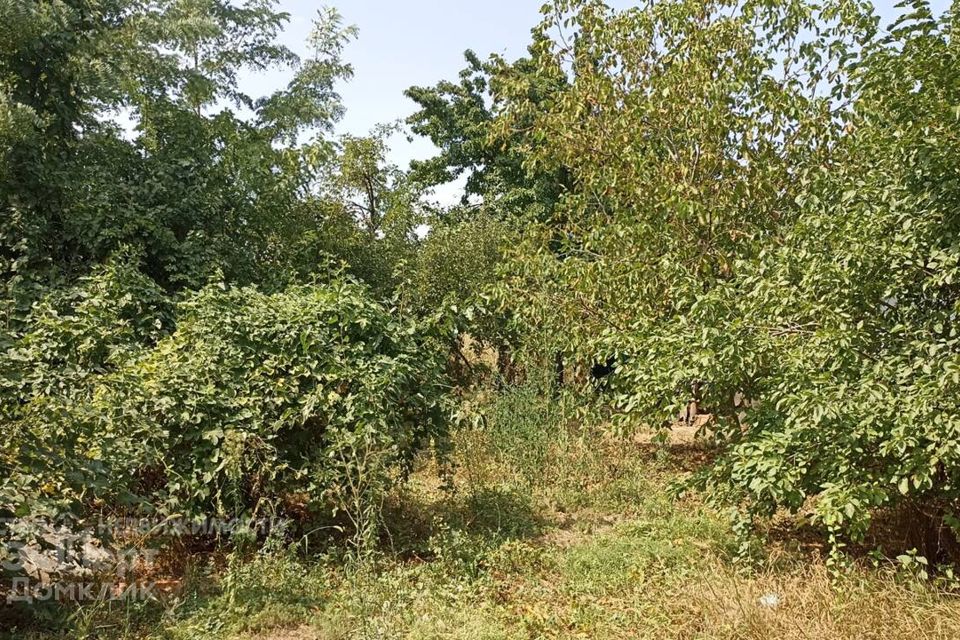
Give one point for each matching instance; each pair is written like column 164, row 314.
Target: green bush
column 317, row 391
column 71, row 341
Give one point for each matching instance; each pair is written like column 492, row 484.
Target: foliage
column 523, row 424
column 317, row 391
column 128, row 381
column 76, row 338
column 506, row 559
column 209, row 306
column 863, row 365
column 458, row 119
column 763, row 222
column 451, row 274
column 458, row 259
column 117, row 129
column 373, row 211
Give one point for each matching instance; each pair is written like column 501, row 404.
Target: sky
column 402, row 43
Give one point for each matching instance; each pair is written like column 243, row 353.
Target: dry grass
column 589, row 544
column 812, row 605
column 624, row 560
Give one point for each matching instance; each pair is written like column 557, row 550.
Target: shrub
column 71, row 340
column 317, row 390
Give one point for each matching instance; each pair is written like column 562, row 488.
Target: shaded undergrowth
column 583, row 536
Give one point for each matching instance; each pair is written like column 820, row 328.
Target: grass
column 592, row 543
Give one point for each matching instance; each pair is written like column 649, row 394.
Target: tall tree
column 458, row 117
column 137, row 133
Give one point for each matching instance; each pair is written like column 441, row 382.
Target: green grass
column 594, row 545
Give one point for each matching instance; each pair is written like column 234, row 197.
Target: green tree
column 763, row 211
column 458, row 118
column 200, row 186
column 365, row 213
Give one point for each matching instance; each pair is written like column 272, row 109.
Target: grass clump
column 583, row 537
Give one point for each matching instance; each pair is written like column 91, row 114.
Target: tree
column 763, row 211
column 200, row 187
column 378, row 193
column 458, row 119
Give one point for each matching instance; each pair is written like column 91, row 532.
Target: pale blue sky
column 419, row 42
column 403, row 43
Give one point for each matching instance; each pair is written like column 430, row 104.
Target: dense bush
column 452, row 273
column 317, row 391
column 50, row 369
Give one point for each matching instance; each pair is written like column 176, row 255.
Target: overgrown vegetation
column 762, row 220
column 253, row 397
column 464, row 421
column 580, row 534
